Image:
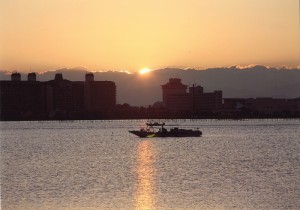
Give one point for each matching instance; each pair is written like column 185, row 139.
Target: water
column 249, row 164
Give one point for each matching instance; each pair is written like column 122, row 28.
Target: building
column 201, row 101
column 20, row 99
column 58, row 98
column 58, row 95
column 262, row 106
column 176, row 98
column 99, row 96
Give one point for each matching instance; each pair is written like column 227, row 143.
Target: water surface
column 248, row 164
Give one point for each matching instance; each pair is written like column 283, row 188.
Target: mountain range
column 235, row 82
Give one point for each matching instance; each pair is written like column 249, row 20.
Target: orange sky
column 129, row 35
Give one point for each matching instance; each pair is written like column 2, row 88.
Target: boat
column 150, row 131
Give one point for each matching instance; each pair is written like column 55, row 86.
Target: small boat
column 150, row 132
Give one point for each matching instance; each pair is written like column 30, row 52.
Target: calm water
column 250, row 164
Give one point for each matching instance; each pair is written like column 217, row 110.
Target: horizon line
column 81, row 68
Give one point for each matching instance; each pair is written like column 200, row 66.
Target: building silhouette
column 56, row 99
column 20, row 98
column 208, row 102
column 99, row 96
column 177, row 99
column 266, row 106
column 175, row 96
column 61, row 99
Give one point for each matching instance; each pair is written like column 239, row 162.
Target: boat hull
column 185, row 133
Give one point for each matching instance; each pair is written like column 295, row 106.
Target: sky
column 130, row 35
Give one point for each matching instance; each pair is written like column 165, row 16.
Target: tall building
column 205, row 101
column 99, row 96
column 176, row 98
column 59, row 95
column 56, row 98
column 20, row 99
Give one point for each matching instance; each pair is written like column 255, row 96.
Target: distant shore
column 159, row 119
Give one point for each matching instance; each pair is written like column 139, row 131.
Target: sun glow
column 144, row 70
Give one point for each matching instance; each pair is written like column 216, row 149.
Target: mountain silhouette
column 235, row 82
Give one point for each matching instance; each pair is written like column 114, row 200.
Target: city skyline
column 63, row 99
column 250, row 82
column 131, row 36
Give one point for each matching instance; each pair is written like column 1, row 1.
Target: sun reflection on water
column 145, row 191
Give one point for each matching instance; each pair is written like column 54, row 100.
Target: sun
column 144, row 70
